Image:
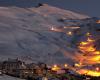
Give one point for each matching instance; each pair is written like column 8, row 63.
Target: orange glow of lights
column 86, row 47
column 65, row 65
column 96, row 52
column 96, row 58
column 89, row 72
column 92, row 56
column 90, row 49
column 98, row 22
column 97, row 69
column 77, row 65
column 83, row 43
column 55, row 65
column 55, row 68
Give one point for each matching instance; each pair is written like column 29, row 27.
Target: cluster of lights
column 92, row 56
column 56, row 67
column 89, row 72
column 62, row 30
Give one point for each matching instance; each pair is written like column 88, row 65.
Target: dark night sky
column 88, row 7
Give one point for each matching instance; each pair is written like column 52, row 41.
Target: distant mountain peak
column 51, row 10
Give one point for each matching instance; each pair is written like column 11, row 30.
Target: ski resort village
column 48, row 43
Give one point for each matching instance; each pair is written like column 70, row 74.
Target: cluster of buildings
column 17, row 68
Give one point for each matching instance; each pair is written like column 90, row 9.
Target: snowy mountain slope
column 26, row 33
column 5, row 77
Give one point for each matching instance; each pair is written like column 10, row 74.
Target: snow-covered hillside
column 27, row 33
column 5, row 77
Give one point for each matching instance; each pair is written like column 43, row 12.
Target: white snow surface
column 5, row 77
column 25, row 33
